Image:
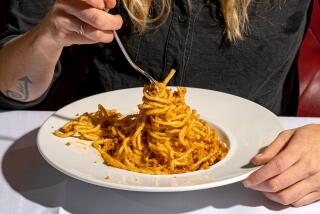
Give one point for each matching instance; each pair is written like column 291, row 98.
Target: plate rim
column 137, row 188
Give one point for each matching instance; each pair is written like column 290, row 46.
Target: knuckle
column 61, row 35
column 274, row 185
column 283, row 198
column 97, row 21
column 66, row 21
column 62, row 22
column 98, row 35
column 57, row 22
column 280, row 164
column 312, row 166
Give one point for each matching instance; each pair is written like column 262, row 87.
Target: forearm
column 27, row 65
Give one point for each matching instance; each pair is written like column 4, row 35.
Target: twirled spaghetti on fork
column 165, row 137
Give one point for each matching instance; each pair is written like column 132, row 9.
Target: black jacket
column 261, row 68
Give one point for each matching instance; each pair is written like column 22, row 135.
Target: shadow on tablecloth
column 32, row 177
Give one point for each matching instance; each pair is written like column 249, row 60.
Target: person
column 243, row 47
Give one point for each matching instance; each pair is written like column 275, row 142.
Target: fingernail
column 259, row 156
column 256, row 159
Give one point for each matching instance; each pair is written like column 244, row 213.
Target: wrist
column 44, row 34
column 42, row 41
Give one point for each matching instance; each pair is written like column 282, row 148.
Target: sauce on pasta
column 165, row 137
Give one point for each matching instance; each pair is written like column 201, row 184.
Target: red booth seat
column 309, row 67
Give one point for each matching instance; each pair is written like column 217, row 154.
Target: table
column 29, row 185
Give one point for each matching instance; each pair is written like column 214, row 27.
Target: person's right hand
column 81, row 22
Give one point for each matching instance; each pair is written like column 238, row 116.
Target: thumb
column 109, row 4
column 274, row 148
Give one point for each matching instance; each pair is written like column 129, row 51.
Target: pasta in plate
column 165, row 137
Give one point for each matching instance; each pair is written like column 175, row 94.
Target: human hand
column 291, row 171
column 81, row 22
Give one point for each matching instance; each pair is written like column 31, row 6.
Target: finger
column 292, row 175
column 74, row 38
column 308, row 199
column 109, row 4
column 98, row 35
column 69, row 30
column 94, row 17
column 66, row 22
column 286, row 158
column 295, row 192
column 73, row 24
column 274, row 148
column 101, row 4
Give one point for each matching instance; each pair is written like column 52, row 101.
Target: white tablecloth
column 29, row 185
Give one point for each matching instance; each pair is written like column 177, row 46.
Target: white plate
column 246, row 126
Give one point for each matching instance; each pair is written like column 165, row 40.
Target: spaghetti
column 165, row 137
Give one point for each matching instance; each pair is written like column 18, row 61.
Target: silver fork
column 135, row 67
column 125, row 53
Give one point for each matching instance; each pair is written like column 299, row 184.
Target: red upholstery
column 309, row 68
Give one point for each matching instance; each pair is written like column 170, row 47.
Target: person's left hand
column 291, row 171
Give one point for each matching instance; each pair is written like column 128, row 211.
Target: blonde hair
column 234, row 12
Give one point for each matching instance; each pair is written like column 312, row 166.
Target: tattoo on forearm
column 22, row 93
